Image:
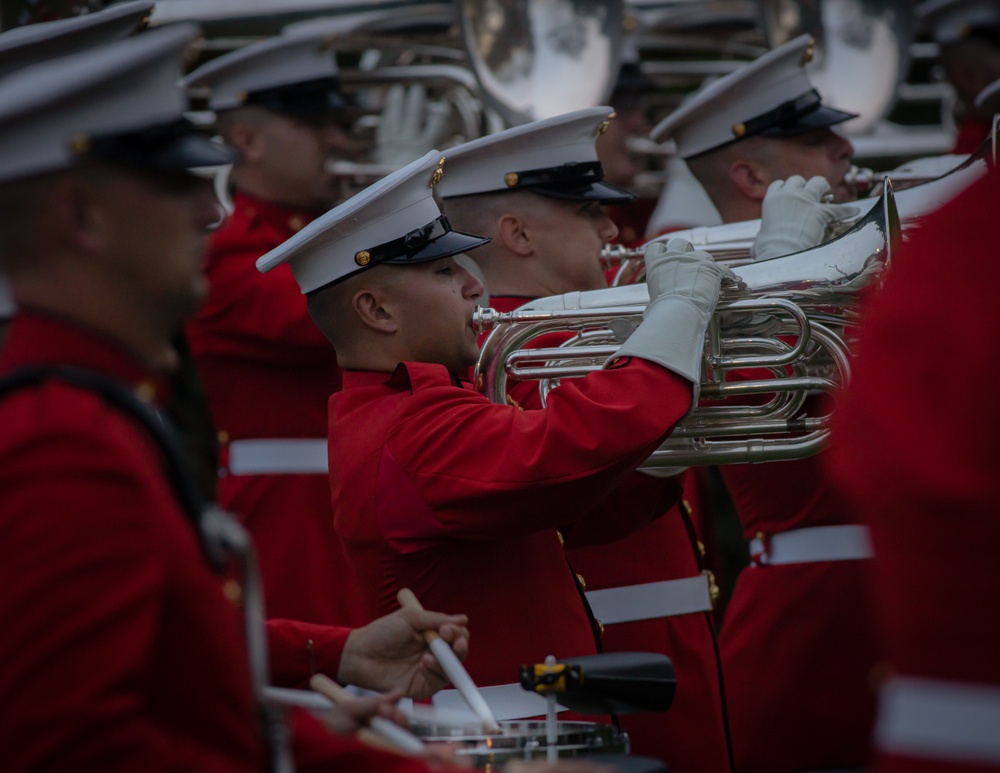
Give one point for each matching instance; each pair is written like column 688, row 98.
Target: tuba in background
column 808, row 298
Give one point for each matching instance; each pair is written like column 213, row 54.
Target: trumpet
column 810, row 296
column 730, row 243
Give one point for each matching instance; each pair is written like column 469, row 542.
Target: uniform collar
column 286, row 220
column 403, row 377
column 38, row 338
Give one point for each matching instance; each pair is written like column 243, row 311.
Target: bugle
column 810, row 295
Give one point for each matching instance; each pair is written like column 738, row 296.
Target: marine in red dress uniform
column 436, row 488
column 267, row 370
column 915, row 449
column 798, row 643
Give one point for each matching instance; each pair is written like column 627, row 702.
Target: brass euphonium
column 808, row 298
column 730, row 243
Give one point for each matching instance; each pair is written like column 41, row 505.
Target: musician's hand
column 390, row 653
column 410, row 126
column 676, row 268
column 684, row 287
column 794, row 216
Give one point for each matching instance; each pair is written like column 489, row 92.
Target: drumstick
column 400, row 738
column 454, row 669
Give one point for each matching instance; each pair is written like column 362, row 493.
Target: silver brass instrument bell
column 540, row 58
column 810, row 295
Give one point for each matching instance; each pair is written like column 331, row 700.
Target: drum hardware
column 595, row 684
column 609, row 683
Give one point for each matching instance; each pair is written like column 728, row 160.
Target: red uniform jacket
column 268, row 372
column 915, row 445
column 120, row 651
column 798, row 641
column 437, row 489
column 692, row 735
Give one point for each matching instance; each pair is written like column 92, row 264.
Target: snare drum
column 525, row 740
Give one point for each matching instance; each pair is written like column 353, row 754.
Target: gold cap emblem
column 438, row 173
column 80, row 144
column 192, row 52
column 739, row 129
column 363, row 258
column 629, row 23
column 809, row 53
column 604, row 125
column 511, row 179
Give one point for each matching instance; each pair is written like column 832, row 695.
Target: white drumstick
column 454, row 669
column 399, row 737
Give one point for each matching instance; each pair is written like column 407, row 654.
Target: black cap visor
column 820, row 118
column 308, row 99
column 173, row 147
column 601, row 192
column 789, row 119
column 583, row 181
column 433, row 241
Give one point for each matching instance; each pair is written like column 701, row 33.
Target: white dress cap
column 770, row 97
column 24, row 46
column 270, row 72
column 951, row 21
column 119, row 102
column 554, row 157
column 395, row 221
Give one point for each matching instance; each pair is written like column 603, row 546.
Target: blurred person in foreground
column 123, row 646
column 915, row 449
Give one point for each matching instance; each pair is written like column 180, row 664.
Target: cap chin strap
column 407, row 246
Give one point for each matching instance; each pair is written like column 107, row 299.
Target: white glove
column 410, row 126
column 794, row 217
column 684, row 286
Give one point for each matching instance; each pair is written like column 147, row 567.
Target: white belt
column 939, row 719
column 278, row 456
column 651, row 600
column 819, row 543
column 506, row 701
